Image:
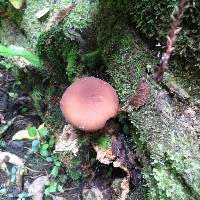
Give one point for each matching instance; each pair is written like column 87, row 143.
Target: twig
column 3, row 91
column 171, row 39
column 32, row 170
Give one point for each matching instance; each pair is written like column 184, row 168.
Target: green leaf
column 35, row 146
column 6, row 64
column 13, row 95
column 17, row 83
column 51, row 141
column 54, row 171
column 49, row 159
column 45, row 146
column 19, row 51
column 60, row 189
column 57, row 163
column 32, row 131
column 43, row 149
column 13, row 174
column 3, row 191
column 47, row 192
column 44, row 152
column 17, row 3
column 53, row 186
column 43, row 132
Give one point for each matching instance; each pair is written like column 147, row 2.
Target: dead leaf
column 141, row 95
column 37, row 187
column 42, row 12
column 2, row 120
column 92, row 193
column 11, row 158
column 68, row 141
column 58, row 198
column 4, row 167
column 23, row 135
column 18, row 4
column 21, row 62
column 19, row 178
column 59, row 16
column 15, row 160
column 41, row 126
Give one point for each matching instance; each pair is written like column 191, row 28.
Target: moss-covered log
column 166, row 128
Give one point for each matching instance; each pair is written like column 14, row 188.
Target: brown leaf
column 37, row 187
column 59, row 16
column 141, row 95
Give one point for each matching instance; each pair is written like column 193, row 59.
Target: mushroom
column 88, row 103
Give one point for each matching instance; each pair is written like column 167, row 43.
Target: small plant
column 45, row 145
column 57, row 182
column 13, row 95
column 38, row 143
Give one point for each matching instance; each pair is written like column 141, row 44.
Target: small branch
column 171, row 39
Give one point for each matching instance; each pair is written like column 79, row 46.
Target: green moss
column 92, row 60
column 15, row 15
column 74, row 175
column 58, row 47
column 35, row 27
column 51, row 47
column 80, row 18
column 55, row 118
column 126, row 57
column 126, row 65
column 152, row 19
column 3, row 5
column 104, row 141
column 71, row 64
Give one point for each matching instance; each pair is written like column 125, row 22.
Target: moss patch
column 104, row 141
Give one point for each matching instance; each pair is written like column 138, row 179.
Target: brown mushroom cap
column 88, row 103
